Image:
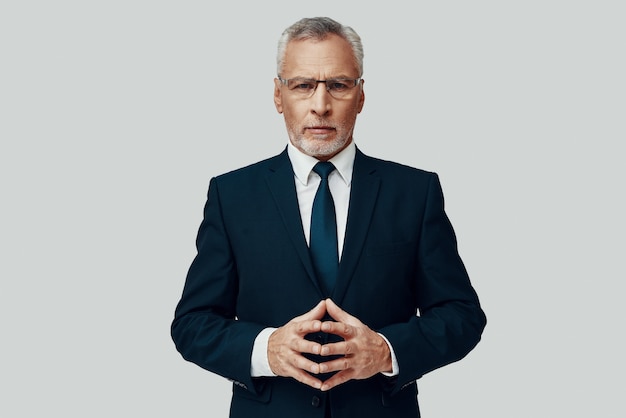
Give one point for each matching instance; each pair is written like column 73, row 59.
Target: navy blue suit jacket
column 400, row 274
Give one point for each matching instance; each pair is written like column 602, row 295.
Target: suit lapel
column 365, row 184
column 280, row 181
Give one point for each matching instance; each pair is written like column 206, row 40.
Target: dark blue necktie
column 323, row 239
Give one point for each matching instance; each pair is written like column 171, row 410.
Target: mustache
column 319, row 123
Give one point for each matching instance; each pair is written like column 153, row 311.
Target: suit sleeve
column 205, row 329
column 450, row 320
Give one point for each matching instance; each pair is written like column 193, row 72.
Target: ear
column 278, row 96
column 361, row 98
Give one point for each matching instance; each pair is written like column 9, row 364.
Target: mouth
column 319, row 129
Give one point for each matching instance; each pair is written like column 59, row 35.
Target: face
column 320, row 126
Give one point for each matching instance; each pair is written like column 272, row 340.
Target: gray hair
column 319, row 28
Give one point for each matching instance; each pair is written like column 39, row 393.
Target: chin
column 320, row 148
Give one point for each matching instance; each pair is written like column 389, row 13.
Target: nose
column 321, row 100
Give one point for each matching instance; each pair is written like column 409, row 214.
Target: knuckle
column 294, row 342
column 297, row 361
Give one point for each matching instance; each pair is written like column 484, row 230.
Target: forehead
column 331, row 56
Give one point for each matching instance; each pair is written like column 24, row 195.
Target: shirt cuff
column 259, row 364
column 395, row 368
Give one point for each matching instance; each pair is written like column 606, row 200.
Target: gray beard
column 318, row 148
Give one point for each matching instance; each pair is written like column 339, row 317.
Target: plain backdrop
column 115, row 114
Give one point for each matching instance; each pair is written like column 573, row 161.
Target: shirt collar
column 303, row 164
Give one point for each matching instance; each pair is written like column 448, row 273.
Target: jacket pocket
column 263, row 395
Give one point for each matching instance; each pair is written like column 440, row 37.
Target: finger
column 338, row 328
column 304, row 364
column 302, row 345
column 307, row 326
column 336, row 365
column 296, row 366
column 304, row 377
column 284, row 347
column 337, row 313
column 341, row 348
column 285, row 361
column 316, row 313
column 290, row 339
column 336, row 380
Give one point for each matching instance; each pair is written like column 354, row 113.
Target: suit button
column 315, row 402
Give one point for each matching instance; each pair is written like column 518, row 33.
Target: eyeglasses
column 339, row 88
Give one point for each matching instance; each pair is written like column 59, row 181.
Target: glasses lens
column 339, row 88
column 302, row 86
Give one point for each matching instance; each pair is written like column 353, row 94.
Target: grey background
column 114, row 115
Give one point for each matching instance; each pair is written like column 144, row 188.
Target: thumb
column 336, row 312
column 316, row 313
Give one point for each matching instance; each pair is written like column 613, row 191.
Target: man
column 312, row 328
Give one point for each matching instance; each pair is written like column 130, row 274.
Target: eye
column 301, row 85
column 338, row 85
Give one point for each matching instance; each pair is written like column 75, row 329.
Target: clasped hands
column 363, row 352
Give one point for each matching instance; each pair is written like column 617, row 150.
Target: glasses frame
column 352, row 82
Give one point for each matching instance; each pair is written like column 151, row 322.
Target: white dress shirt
column 307, row 182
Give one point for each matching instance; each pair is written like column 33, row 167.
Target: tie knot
column 324, row 168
